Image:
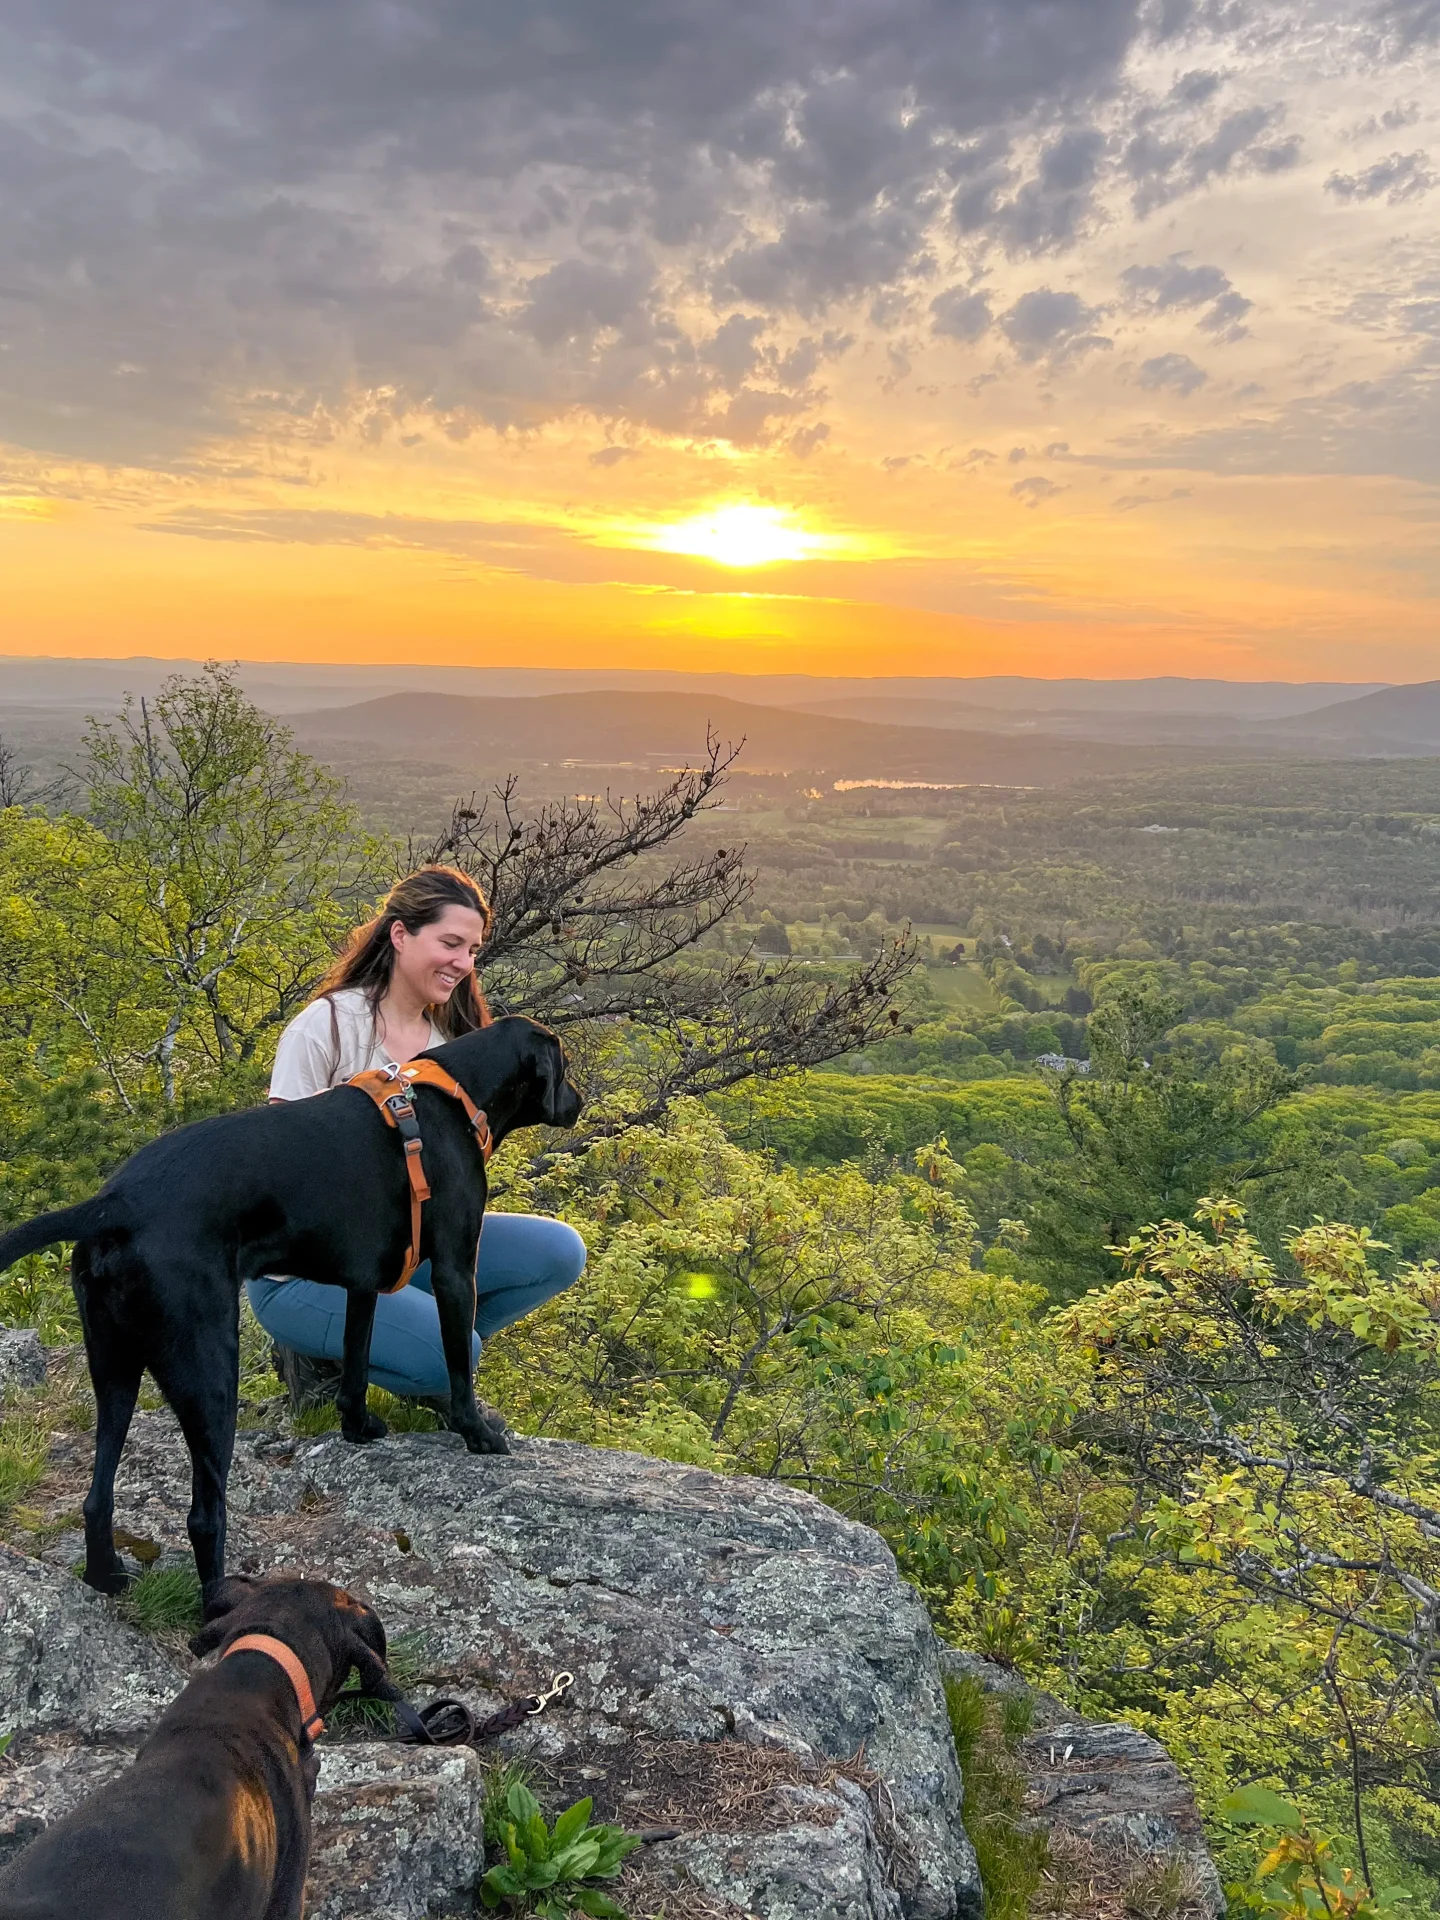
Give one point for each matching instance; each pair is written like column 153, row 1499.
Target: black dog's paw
column 110, row 1580
column 487, row 1437
column 372, row 1427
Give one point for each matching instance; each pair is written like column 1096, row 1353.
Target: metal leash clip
column 561, row 1684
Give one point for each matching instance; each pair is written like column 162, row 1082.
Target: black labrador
column 316, row 1189
column 213, row 1818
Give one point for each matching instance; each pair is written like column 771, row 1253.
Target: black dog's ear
column 374, row 1675
column 552, row 1077
column 220, row 1602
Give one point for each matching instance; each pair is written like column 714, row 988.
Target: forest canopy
column 1022, row 1176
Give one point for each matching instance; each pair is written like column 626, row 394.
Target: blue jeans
column 525, row 1260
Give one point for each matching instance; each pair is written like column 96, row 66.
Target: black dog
column 312, row 1188
column 213, row 1819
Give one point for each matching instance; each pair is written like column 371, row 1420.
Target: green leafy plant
column 1297, row 1878
column 549, row 1870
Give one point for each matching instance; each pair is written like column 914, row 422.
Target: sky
column 839, row 336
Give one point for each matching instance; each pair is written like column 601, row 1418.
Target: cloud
column 959, row 315
column 611, row 456
column 1398, row 177
column 805, row 440
column 1034, row 490
column 1177, row 371
column 497, row 215
column 1173, row 155
column 1050, row 324
column 1173, row 284
column 1047, row 212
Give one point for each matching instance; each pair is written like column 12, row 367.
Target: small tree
column 1152, row 1126
column 234, row 865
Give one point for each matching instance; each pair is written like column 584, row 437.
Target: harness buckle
column 559, row 1686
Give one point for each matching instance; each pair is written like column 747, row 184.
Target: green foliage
column 36, row 1292
column 164, row 1600
column 547, row 1870
column 1010, row 1851
column 1298, row 1877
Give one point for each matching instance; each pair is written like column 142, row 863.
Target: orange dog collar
column 294, row 1669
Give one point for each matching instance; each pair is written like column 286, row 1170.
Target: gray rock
column 1106, row 1786
column 45, row 1777
column 67, row 1661
column 691, row 1608
column 397, row 1834
column 22, row 1359
column 827, row 1866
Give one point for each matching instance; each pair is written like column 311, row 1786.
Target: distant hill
column 646, row 731
column 1394, row 720
column 294, row 687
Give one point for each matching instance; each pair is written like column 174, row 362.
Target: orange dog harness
column 293, row 1668
column 390, row 1089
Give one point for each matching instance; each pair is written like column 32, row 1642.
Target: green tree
column 234, row 864
column 1151, row 1127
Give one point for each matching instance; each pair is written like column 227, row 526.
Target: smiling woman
column 744, row 536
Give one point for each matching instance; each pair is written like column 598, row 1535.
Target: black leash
column 450, row 1723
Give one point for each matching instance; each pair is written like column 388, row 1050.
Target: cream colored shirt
column 308, row 1059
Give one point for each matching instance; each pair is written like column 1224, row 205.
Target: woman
column 406, row 983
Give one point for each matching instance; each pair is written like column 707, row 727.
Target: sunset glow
column 743, row 536
column 1109, row 347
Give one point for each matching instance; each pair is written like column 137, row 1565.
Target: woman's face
column 434, row 959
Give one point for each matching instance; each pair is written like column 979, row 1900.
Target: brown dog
column 213, row 1820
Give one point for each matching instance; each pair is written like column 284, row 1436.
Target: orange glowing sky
column 782, row 337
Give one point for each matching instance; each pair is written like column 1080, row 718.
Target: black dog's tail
column 70, row 1223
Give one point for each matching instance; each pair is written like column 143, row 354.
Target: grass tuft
column 164, row 1600
column 401, row 1416
column 24, row 1449
column 1010, row 1852
column 354, row 1713
column 1161, row 1890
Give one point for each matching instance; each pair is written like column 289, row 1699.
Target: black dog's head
column 517, row 1071
column 327, row 1627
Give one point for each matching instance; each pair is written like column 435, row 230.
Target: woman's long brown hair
column 368, row 958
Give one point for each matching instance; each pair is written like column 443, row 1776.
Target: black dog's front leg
column 356, row 1421
column 453, row 1284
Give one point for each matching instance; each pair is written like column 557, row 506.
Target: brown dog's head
column 327, row 1627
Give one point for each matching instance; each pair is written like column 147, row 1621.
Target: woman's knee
column 528, row 1250
column 565, row 1252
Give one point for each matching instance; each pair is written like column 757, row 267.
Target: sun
column 742, row 535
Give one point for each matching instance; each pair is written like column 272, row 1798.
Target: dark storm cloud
column 221, row 216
